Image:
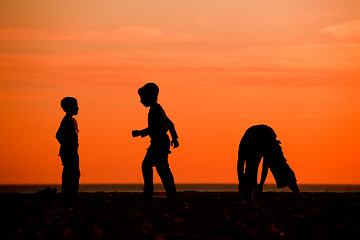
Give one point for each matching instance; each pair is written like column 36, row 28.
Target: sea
column 188, row 187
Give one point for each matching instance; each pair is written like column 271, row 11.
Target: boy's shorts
column 283, row 175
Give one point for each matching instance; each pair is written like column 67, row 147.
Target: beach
column 193, row 215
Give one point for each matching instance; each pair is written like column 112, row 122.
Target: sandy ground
column 194, row 215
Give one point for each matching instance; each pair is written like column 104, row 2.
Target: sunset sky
column 221, row 65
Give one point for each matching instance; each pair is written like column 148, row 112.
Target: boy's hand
column 135, row 133
column 174, row 143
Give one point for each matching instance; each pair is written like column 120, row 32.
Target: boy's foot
column 172, row 195
column 148, row 196
column 303, row 199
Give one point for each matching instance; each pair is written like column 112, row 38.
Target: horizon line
column 42, row 184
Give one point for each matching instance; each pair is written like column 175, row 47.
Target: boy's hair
column 67, row 102
column 150, row 90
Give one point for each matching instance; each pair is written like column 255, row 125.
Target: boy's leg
column 70, row 177
column 75, row 176
column 65, row 183
column 166, row 176
column 75, row 180
column 295, row 189
column 66, row 178
column 147, row 172
column 283, row 174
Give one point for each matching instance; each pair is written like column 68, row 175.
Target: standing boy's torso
column 68, row 134
column 157, row 122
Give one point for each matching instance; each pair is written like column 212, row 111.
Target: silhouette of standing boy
column 260, row 141
column 157, row 153
column 67, row 135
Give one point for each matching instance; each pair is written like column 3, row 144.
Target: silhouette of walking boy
column 260, row 141
column 157, row 153
column 67, row 135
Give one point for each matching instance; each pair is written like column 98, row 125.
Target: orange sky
column 221, row 66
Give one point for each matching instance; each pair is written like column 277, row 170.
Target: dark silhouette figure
column 260, row 142
column 67, row 135
column 157, row 153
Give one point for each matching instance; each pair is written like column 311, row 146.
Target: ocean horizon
column 181, row 187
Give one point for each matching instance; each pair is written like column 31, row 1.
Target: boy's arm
column 142, row 133
column 240, row 172
column 260, row 187
column 174, row 136
column 264, row 172
column 145, row 132
column 240, row 169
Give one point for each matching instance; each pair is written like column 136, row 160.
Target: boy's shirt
column 67, row 136
column 159, row 124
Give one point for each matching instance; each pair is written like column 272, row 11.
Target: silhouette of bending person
column 157, row 153
column 260, row 142
column 67, row 135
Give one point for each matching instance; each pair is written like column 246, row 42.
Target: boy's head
column 70, row 105
column 148, row 94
